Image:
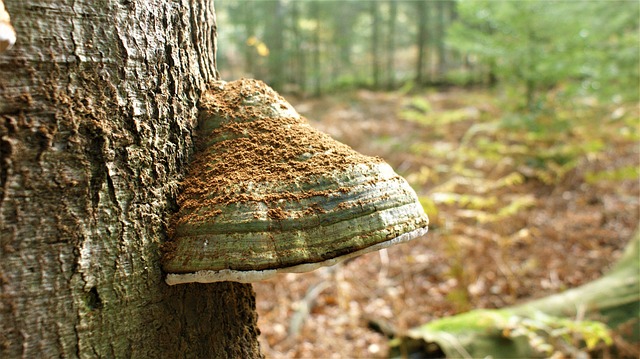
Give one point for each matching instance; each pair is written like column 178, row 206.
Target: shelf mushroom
column 266, row 193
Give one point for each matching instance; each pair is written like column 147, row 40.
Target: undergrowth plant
column 559, row 337
column 485, row 160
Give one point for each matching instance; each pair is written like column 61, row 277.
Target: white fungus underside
column 229, row 275
column 7, row 35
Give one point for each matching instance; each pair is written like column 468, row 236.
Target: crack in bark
column 6, row 149
column 5, row 154
column 94, row 152
column 111, row 189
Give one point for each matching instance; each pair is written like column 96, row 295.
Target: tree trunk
column 375, row 44
column 422, row 69
column 97, row 113
column 440, row 41
column 300, row 70
column 249, row 22
column 315, row 11
column 275, row 42
column 391, row 44
column 344, row 28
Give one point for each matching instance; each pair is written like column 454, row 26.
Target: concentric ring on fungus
column 267, row 193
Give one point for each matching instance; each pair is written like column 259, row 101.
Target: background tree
column 441, row 13
column 250, row 33
column 529, row 48
column 317, row 48
column 421, row 42
column 97, row 114
column 342, row 27
column 375, row 44
column 533, row 46
column 355, row 46
column 275, row 42
column 391, row 44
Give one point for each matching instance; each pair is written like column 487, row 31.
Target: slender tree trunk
column 275, row 42
column 391, row 44
column 250, row 31
column 299, row 70
column 97, row 112
column 442, row 59
column 375, row 44
column 315, row 10
column 421, row 76
column 343, row 38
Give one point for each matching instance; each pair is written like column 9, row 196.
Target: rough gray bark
column 97, row 112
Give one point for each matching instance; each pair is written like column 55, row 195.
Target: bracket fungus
column 266, row 193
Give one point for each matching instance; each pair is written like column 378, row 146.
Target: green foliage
column 484, row 209
column 555, row 335
column 479, row 171
column 533, row 46
column 418, row 109
column 479, row 319
column 459, row 295
column 462, row 77
column 619, row 174
column 545, row 146
column 466, row 200
column 429, row 206
column 504, row 333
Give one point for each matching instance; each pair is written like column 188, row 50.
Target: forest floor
column 520, row 206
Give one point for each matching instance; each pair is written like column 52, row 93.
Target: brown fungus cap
column 266, row 193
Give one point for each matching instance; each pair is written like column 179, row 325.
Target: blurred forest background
column 316, row 47
column 517, row 122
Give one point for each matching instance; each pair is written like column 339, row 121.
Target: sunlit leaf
column 630, row 172
column 261, row 47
